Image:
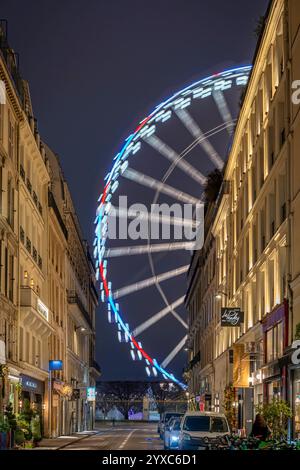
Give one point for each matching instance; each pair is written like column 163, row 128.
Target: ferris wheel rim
column 102, row 199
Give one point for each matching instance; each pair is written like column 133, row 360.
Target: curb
column 77, row 440
column 81, row 438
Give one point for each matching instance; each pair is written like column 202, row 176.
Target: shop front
column 275, row 337
column 14, row 388
column 61, row 395
column 296, row 401
column 33, row 390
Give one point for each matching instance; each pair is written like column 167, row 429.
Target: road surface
column 122, row 436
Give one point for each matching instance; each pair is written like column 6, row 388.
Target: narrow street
column 122, row 436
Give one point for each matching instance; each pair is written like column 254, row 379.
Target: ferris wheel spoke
column 167, row 152
column 152, row 183
column 152, row 217
column 158, row 316
column 174, row 352
column 150, row 281
column 142, row 249
column 197, row 133
column 224, row 110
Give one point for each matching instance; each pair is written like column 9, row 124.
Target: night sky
column 97, row 67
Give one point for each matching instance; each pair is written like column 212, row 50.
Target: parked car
column 199, row 430
column 164, row 419
column 172, row 431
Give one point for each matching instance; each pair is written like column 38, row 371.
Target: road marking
column 126, row 439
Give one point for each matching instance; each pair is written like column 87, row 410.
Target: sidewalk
column 60, row 442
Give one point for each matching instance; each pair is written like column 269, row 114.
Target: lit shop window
column 274, row 342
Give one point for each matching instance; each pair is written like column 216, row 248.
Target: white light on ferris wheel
column 120, row 336
column 148, row 372
column 154, row 371
column 140, row 356
column 132, row 354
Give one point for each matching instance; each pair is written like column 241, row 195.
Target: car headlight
column 186, row 437
column 174, row 438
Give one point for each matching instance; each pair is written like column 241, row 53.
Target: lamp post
column 219, row 294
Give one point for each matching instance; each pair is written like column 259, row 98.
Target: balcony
column 34, row 253
column 53, row 205
column 22, row 173
column 22, row 235
column 79, row 311
column 29, row 185
column 195, row 360
column 34, row 313
column 28, row 245
column 35, row 198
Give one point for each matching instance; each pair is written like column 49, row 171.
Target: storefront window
column 280, row 339
column 274, row 342
column 297, row 407
column 274, row 391
column 270, row 356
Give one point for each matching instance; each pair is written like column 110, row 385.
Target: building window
column 10, row 203
column 11, row 137
column 21, row 344
column 274, row 339
column 1, row 120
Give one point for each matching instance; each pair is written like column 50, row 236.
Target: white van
column 198, row 428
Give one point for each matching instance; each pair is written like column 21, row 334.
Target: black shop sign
column 231, row 317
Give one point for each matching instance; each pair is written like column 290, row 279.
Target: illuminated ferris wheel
column 167, row 158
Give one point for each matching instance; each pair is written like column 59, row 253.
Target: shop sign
column 42, row 309
column 58, row 386
column 198, row 398
column 55, row 364
column 76, row 394
column 30, row 384
column 277, row 315
column 91, row 393
column 241, row 366
column 231, row 317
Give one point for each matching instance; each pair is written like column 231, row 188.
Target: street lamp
column 219, row 294
column 81, row 328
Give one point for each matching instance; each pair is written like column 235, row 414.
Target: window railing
column 34, row 197
column 283, row 212
column 73, row 298
column 272, row 228
column 22, row 173
column 40, row 262
column 28, row 244
column 22, row 235
column 29, row 185
column 40, row 208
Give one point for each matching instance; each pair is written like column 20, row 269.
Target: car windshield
column 176, row 426
column 170, row 415
column 205, row 424
column 218, row 424
column 196, row 423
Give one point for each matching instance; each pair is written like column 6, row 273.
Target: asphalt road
column 122, row 436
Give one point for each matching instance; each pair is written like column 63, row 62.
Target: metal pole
column 50, row 404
